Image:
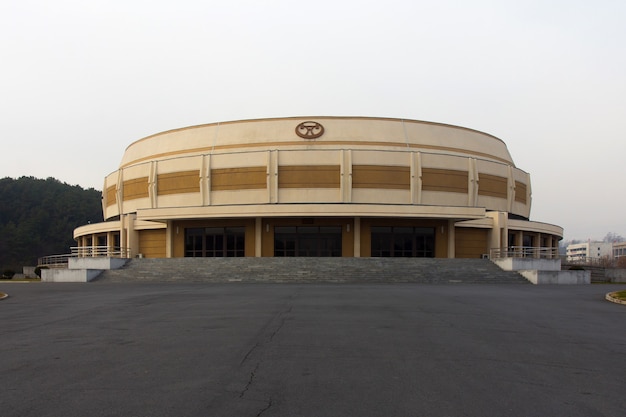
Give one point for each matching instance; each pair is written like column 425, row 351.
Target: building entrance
column 389, row 241
column 307, row 241
column 215, row 241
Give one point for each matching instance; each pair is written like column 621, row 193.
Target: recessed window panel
column 215, row 242
column 307, row 241
column 403, row 242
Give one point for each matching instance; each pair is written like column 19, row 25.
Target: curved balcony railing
column 61, row 261
column 525, row 252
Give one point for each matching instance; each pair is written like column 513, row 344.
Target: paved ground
column 154, row 350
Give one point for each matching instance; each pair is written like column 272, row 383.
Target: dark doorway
column 307, row 241
column 215, row 242
column 389, row 241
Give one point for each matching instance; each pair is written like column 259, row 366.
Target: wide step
column 312, row 270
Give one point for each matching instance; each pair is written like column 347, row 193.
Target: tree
column 612, row 238
column 38, row 217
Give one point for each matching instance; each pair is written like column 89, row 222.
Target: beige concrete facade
column 356, row 183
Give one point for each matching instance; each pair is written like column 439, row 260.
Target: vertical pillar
column 498, row 235
column 510, row 190
column 416, row 178
column 132, row 236
column 110, row 244
column 346, row 176
column 258, row 237
column 538, row 244
column 272, row 176
column 169, row 239
column 152, row 184
column 357, row 237
column 451, row 239
column 124, row 237
column 472, row 182
column 205, row 180
column 94, row 245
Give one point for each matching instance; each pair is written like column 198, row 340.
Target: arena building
column 317, row 186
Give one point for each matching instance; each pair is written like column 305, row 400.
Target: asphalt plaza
column 196, row 349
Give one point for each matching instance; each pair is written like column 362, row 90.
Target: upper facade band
column 317, row 161
column 338, row 132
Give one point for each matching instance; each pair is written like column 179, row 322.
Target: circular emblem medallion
column 309, row 130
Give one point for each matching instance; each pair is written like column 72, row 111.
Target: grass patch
column 620, row 295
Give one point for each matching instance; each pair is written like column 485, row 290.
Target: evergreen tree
column 38, row 217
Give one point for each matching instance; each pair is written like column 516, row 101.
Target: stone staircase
column 313, row 270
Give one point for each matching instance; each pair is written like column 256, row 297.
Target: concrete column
column 416, row 178
column 94, row 245
column 110, row 244
column 169, row 239
column 205, row 180
column 132, row 235
column 494, row 235
column 346, row 175
column 357, row 237
column 472, row 182
column 258, row 237
column 272, row 173
column 124, row 235
column 451, row 239
column 499, row 228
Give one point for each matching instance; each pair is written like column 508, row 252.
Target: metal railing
column 525, row 252
column 61, row 261
column 99, row 251
column 54, row 261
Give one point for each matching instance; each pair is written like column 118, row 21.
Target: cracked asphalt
column 104, row 349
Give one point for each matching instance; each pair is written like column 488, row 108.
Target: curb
column 612, row 299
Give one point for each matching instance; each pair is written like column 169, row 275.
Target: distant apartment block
column 619, row 250
column 593, row 250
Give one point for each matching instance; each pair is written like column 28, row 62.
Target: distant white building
column 619, row 250
column 584, row 251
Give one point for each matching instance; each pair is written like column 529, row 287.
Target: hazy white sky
column 81, row 80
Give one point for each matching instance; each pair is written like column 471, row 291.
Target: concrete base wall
column 96, row 263
column 557, row 277
column 69, row 275
column 519, row 264
column 82, row 269
column 616, row 275
column 29, row 272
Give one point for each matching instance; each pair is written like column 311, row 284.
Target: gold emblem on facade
column 309, row 130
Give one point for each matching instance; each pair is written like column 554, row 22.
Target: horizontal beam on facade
column 312, row 210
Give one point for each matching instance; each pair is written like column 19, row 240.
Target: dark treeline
column 38, row 217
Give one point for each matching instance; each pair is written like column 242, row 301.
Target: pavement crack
column 283, row 318
column 247, row 355
column 250, row 380
column 279, row 322
column 267, row 407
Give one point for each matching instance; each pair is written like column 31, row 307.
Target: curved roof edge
column 395, row 119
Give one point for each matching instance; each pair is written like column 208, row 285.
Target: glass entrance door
column 307, row 241
column 215, row 241
column 388, row 241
